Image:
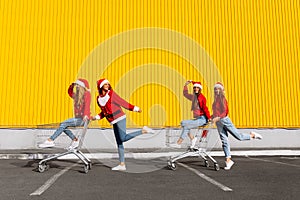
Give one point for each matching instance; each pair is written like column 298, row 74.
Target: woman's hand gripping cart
column 43, row 166
column 200, row 150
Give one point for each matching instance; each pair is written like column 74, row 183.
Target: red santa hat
column 101, row 82
column 219, row 85
column 83, row 83
column 197, row 84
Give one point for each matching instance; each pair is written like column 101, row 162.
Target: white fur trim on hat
column 103, row 82
column 80, row 83
column 217, row 85
column 197, row 85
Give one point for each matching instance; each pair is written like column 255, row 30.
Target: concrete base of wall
column 104, row 139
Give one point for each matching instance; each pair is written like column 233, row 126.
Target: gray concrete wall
column 104, row 139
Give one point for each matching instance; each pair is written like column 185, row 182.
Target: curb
column 152, row 155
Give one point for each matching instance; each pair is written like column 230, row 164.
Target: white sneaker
column 47, row 144
column 257, row 136
column 177, row 146
column 193, row 143
column 119, row 168
column 228, row 165
column 74, row 145
column 147, row 129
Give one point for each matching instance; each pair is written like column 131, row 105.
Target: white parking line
column 270, row 161
column 212, row 181
column 290, row 158
column 50, row 181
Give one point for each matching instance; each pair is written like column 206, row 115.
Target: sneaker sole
column 229, row 168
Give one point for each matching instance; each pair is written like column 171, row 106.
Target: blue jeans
column 121, row 136
column 187, row 125
column 224, row 126
column 73, row 122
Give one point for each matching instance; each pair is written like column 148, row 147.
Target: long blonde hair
column 79, row 96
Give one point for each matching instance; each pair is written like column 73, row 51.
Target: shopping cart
column 43, row 166
column 200, row 150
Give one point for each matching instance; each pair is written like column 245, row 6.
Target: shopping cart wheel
column 43, row 167
column 206, row 163
column 86, row 169
column 217, row 167
column 169, row 164
column 90, row 166
column 172, row 165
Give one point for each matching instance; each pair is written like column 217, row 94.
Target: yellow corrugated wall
column 252, row 46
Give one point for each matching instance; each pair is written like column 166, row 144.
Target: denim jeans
column 187, row 125
column 73, row 122
column 121, row 136
column 224, row 126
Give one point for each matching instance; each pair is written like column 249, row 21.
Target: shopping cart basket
column 43, row 166
column 200, row 150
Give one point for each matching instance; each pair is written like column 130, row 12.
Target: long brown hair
column 101, row 89
column 195, row 102
column 222, row 97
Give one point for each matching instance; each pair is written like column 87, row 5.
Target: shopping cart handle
column 86, row 123
column 209, row 124
column 201, row 127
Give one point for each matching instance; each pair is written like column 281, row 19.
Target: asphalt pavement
column 270, row 177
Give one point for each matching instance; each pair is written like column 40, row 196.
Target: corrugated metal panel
column 253, row 44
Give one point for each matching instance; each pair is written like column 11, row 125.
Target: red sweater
column 110, row 105
column 202, row 110
column 218, row 109
column 84, row 109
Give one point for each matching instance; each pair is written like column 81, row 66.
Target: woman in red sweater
column 224, row 124
column 110, row 104
column 200, row 113
column 82, row 101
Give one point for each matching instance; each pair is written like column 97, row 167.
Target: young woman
column 200, row 112
column 110, row 104
column 82, row 101
column 224, row 124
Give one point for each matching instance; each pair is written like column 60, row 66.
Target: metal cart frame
column 43, row 166
column 199, row 151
